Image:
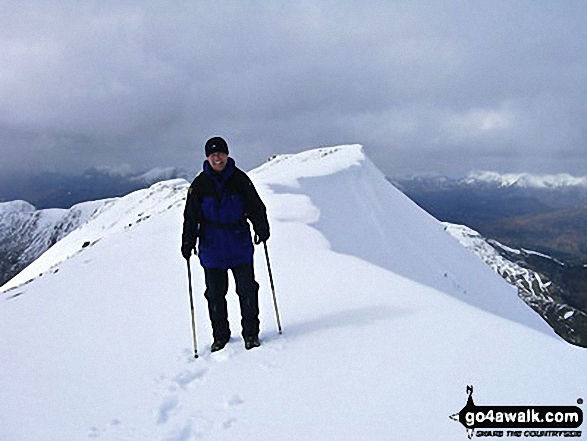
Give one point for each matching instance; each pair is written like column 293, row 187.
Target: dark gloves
column 186, row 251
column 262, row 235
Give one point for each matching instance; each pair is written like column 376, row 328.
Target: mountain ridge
column 527, row 180
column 26, row 232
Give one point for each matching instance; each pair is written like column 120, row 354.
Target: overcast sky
column 425, row 86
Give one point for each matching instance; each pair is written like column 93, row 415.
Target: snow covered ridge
column 161, row 174
column 386, row 320
column 149, row 177
column 539, row 294
column 514, row 273
column 526, row 180
column 25, row 232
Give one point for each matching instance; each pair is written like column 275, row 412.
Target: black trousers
column 248, row 293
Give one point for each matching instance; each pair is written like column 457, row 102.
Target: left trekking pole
column 192, row 309
column 272, row 287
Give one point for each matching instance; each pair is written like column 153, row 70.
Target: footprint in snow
column 195, row 427
column 229, row 423
column 183, row 379
column 95, row 432
column 166, row 409
column 234, row 401
column 183, row 434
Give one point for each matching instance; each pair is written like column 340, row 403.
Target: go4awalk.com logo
column 519, row 421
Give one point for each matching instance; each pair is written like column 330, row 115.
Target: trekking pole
column 192, row 309
column 272, row 287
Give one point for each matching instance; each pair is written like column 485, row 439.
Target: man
column 219, row 202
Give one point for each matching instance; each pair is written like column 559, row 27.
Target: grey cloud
column 425, row 87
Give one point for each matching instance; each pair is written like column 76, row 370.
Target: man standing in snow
column 219, row 202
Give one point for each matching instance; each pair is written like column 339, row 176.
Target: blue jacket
column 217, row 211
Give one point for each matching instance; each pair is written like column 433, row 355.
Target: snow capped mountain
column 25, row 232
column 160, row 174
column 386, row 320
column 150, row 176
column 526, row 180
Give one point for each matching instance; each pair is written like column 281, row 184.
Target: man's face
column 218, row 161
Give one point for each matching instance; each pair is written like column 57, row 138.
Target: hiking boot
column 219, row 344
column 252, row 342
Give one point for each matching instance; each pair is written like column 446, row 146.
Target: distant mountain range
column 526, row 180
column 543, row 213
column 520, row 180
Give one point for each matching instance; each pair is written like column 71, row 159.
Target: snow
column 158, row 174
column 16, row 213
column 486, row 250
column 527, row 180
column 25, row 232
column 515, row 274
column 12, row 206
column 544, row 256
column 386, row 320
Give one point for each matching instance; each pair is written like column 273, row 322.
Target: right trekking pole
column 192, row 309
column 272, row 288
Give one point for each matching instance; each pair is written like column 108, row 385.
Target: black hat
column 216, row 144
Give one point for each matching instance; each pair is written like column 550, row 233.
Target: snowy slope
column 25, row 232
column 386, row 319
